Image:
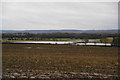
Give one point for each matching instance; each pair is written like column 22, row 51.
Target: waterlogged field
column 59, row 61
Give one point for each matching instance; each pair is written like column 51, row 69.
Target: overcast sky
column 59, row 15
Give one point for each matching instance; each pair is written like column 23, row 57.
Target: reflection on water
column 63, row 42
column 45, row 42
column 97, row 44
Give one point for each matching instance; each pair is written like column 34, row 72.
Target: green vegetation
column 91, row 37
column 105, row 40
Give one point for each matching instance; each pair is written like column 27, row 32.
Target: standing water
column 63, row 42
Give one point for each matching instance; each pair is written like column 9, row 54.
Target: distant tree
column 116, row 41
column 86, row 41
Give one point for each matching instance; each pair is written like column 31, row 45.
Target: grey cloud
column 66, row 15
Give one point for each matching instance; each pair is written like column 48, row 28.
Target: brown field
column 72, row 59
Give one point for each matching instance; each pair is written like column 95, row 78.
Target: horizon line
column 61, row 29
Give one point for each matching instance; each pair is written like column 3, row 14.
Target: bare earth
column 59, row 61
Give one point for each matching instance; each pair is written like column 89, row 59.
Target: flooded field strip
column 62, row 42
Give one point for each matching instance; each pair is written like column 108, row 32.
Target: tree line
column 59, row 35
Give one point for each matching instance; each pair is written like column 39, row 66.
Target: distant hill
column 59, row 31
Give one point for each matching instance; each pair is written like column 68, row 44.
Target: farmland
column 100, row 37
column 105, row 40
column 59, row 61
